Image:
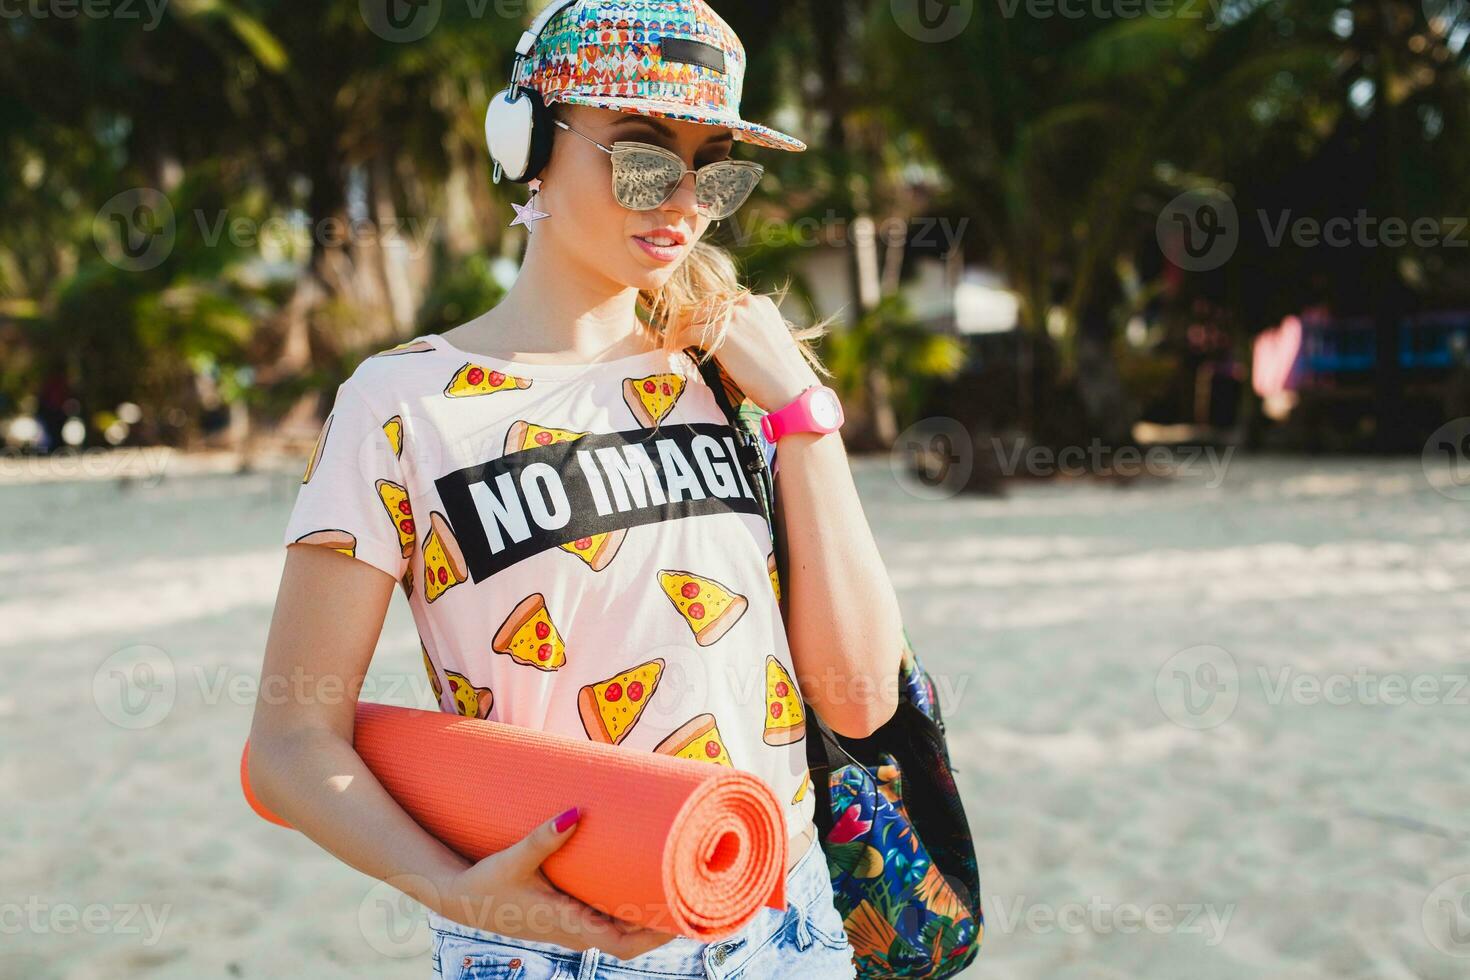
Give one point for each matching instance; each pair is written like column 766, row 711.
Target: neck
column 558, row 305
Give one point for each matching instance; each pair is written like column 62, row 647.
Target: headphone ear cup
column 543, row 134
column 509, row 122
column 518, row 133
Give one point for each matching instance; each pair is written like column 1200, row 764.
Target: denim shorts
column 805, row 941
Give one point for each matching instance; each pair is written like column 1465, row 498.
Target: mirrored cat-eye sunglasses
column 645, row 177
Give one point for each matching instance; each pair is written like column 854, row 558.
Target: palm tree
column 1055, row 133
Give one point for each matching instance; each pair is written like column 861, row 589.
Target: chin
column 651, row 280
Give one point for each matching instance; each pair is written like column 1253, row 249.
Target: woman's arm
column 842, row 616
column 328, row 616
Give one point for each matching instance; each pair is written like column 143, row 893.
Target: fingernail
column 565, row 819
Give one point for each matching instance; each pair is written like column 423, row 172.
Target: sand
column 1172, row 706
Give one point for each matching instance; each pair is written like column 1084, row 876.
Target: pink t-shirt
column 579, row 548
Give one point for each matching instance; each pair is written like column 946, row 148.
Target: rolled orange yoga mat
column 680, row 846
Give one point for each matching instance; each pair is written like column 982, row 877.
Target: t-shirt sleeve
column 353, row 495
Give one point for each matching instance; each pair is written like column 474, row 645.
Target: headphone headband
column 515, row 130
column 528, row 40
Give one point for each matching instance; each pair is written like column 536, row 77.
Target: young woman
column 670, row 594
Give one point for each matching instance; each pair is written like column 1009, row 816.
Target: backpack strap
column 709, row 368
column 747, row 441
column 820, row 752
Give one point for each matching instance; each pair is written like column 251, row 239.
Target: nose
column 684, row 201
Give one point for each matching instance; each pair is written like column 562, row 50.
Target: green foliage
column 461, row 290
column 1057, row 138
column 911, row 356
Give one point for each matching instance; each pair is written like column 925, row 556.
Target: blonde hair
column 694, row 306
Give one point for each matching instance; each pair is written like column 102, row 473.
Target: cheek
column 588, row 201
column 588, row 220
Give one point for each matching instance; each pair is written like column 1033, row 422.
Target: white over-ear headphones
column 518, row 126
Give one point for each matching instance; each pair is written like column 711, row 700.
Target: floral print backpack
column 888, row 813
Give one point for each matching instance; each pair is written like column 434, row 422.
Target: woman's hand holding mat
column 681, row 847
column 512, row 880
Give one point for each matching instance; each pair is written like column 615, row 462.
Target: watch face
column 824, row 408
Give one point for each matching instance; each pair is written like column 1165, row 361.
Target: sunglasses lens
column 643, row 179
column 722, row 187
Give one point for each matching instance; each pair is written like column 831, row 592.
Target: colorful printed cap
column 672, row 58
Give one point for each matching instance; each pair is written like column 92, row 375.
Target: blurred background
column 1152, row 321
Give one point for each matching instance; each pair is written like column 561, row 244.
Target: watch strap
column 773, row 425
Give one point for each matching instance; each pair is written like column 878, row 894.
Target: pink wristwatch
column 817, row 409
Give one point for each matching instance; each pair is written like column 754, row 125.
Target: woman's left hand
column 760, row 355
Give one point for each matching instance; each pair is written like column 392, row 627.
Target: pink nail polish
column 565, row 819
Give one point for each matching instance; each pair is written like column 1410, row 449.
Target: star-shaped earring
column 528, row 212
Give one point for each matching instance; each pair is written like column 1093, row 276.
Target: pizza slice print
column 472, row 379
column 469, row 700
column 526, row 435
column 393, row 429
column 334, row 538
column 709, row 607
column 444, row 565
column 316, row 453
column 806, row 784
column 652, row 397
column 785, row 719
column 395, row 501
column 775, row 578
column 698, row 739
column 433, row 674
column 610, row 708
column 528, row 636
column 597, row 549
column 407, row 347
